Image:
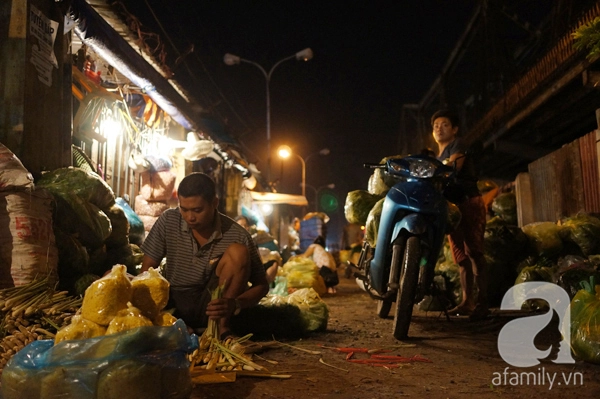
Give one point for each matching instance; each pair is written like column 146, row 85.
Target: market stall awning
column 102, row 36
column 278, row 198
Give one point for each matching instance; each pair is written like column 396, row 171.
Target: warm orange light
column 284, row 151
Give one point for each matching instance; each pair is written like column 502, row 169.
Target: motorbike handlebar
column 373, row 165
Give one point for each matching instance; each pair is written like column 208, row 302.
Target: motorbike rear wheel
column 408, row 288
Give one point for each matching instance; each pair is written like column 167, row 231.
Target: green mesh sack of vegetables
column 372, row 226
column 533, row 273
column 73, row 258
column 136, row 226
column 87, row 185
column 358, row 205
column 584, row 231
column 129, row 255
column 98, row 262
column 544, row 239
column 120, row 227
column 585, row 323
column 76, row 216
column 503, row 242
column 505, row 206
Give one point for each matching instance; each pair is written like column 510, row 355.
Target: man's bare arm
column 148, row 262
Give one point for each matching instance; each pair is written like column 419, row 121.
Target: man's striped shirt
column 188, row 264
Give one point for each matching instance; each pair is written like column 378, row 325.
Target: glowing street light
column 285, row 152
column 303, row 55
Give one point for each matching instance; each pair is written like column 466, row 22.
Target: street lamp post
column 323, row 151
column 284, row 152
column 230, row 59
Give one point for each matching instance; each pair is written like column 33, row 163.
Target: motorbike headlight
column 421, row 168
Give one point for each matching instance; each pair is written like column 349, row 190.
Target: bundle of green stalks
column 216, row 355
column 32, row 312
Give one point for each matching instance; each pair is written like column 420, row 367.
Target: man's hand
column 220, row 308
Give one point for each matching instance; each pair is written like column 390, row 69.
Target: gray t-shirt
column 188, row 264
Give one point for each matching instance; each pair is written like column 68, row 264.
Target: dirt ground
column 464, row 361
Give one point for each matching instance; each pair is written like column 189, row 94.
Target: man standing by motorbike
column 466, row 241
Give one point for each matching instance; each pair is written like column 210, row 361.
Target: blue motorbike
column 414, row 221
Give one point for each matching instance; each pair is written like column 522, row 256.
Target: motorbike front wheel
column 408, row 287
column 383, row 308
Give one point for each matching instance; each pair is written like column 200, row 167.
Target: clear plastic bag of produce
column 128, row 319
column 377, row 183
column 504, row 242
column 303, row 272
column 280, row 286
column 585, row 323
column 505, row 206
column 150, row 292
column 372, row 226
column 544, row 238
column 105, row 297
column 146, row 362
column 313, row 310
column 570, row 278
column 533, row 273
column 358, row 205
column 584, row 231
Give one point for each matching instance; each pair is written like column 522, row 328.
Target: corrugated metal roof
column 114, row 20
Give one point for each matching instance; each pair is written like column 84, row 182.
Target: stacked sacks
column 157, row 187
column 92, row 232
column 149, row 210
column 27, row 241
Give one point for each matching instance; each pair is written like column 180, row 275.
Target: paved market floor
column 465, row 361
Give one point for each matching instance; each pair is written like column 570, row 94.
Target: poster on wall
column 42, row 54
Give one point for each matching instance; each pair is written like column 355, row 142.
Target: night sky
column 370, row 57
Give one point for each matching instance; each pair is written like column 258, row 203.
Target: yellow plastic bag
column 127, row 319
column 303, row 273
column 165, row 319
column 105, row 297
column 79, row 328
column 150, row 293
